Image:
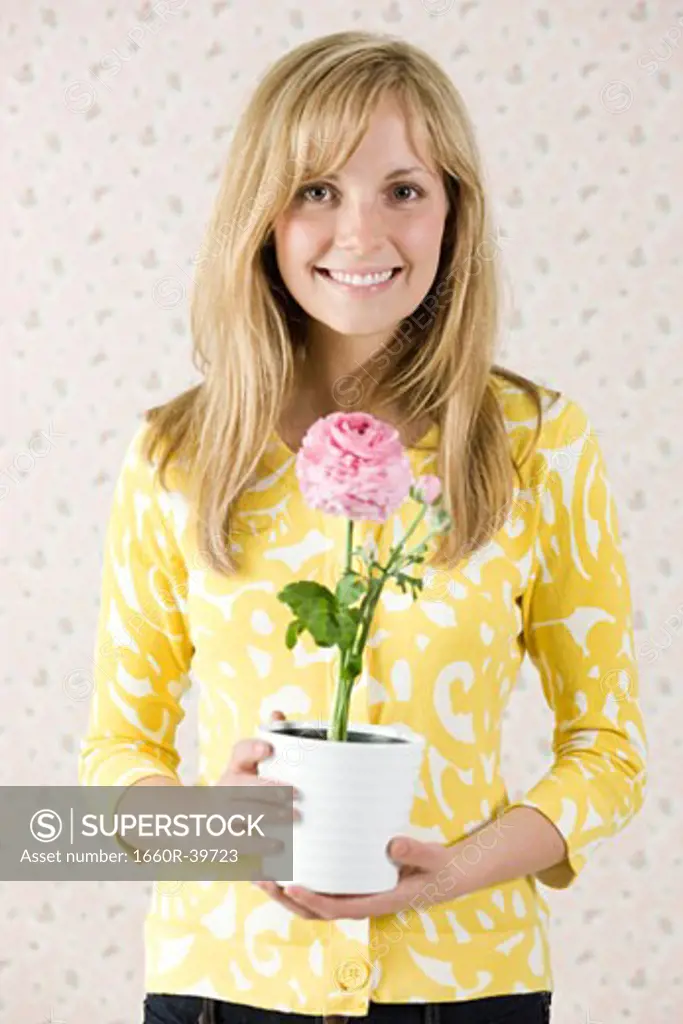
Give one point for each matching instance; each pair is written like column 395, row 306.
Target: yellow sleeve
column 142, row 650
column 577, row 627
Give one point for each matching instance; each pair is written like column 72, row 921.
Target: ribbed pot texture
column 356, row 795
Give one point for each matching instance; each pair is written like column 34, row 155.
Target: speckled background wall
column 115, row 123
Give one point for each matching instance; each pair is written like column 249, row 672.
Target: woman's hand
column 521, row 841
column 420, row 882
column 242, row 770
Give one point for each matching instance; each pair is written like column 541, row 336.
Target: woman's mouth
column 360, row 284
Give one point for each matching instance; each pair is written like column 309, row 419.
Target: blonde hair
column 305, row 118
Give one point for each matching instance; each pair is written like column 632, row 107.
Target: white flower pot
column 356, row 795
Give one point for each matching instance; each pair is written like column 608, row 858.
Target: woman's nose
column 359, row 226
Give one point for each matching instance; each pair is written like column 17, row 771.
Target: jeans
column 526, row 1008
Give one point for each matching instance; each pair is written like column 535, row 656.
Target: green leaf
column 293, row 630
column 442, row 519
column 350, row 587
column 301, row 593
column 319, row 611
column 348, row 625
column 403, row 581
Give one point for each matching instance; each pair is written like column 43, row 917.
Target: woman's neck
column 309, row 403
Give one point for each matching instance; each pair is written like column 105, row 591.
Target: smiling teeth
column 360, row 279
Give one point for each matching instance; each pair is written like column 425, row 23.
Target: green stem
column 342, row 699
column 340, row 714
column 411, row 529
column 369, row 603
column 340, row 709
column 349, row 544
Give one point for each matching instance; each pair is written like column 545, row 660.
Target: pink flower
column 353, row 465
column 429, row 487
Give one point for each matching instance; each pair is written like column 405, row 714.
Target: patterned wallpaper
column 116, row 121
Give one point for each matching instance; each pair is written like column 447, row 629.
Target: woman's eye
column 307, row 194
column 410, row 188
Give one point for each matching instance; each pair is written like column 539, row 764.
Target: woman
column 350, row 264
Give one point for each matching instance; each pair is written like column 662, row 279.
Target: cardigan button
column 352, row 975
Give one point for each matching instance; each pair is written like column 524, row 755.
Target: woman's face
column 383, row 214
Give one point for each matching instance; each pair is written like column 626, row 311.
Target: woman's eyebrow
column 400, row 173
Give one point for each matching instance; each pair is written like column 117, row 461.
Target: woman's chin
column 357, row 325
